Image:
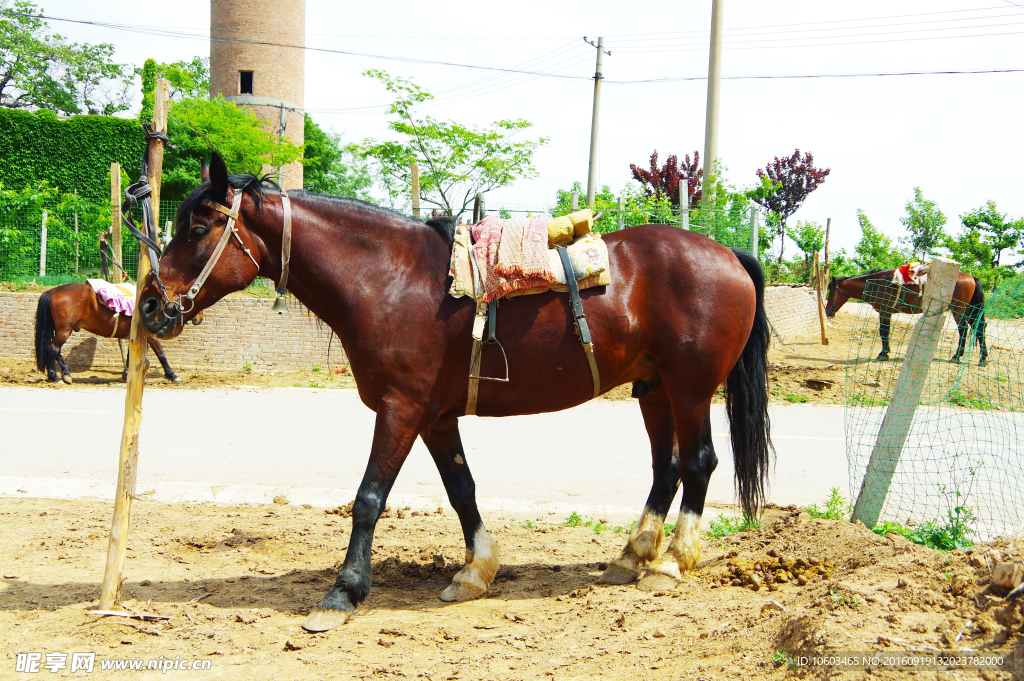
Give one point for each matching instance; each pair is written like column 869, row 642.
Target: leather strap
column 117, row 316
column 579, row 318
column 229, row 229
column 286, row 242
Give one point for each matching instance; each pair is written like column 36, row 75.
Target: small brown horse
column 74, row 307
column 887, row 298
column 682, row 315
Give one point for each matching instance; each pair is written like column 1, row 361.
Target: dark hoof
column 954, row 360
column 173, row 378
column 51, row 378
column 66, row 378
column 124, row 376
column 883, row 357
column 331, row 612
column 616, row 574
column 982, row 362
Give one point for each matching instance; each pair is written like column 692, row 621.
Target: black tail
column 44, row 330
column 977, row 313
column 746, row 402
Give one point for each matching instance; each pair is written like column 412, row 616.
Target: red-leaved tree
column 666, row 180
column 794, row 178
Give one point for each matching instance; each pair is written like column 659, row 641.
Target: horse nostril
column 149, row 307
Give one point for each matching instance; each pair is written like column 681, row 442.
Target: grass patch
column 862, row 400
column 852, row 601
column 959, row 399
column 723, row 526
column 836, row 507
column 780, row 658
column 797, row 399
column 952, row 536
column 576, row 520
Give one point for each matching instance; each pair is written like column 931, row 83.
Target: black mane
column 250, row 184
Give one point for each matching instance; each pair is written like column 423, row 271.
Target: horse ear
column 204, row 170
column 219, row 176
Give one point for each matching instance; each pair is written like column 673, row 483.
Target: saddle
column 512, row 257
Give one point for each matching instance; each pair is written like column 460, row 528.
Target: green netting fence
column 961, row 467
column 73, row 225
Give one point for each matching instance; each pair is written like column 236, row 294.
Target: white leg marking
column 481, row 565
column 646, row 537
column 687, row 541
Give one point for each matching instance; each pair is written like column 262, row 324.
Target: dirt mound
column 236, row 582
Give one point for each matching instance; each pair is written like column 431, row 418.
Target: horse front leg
column 884, row 324
column 644, row 542
column 159, row 350
column 482, row 561
column 695, row 470
column 393, row 436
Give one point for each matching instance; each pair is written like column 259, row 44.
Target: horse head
column 836, row 298
column 212, row 253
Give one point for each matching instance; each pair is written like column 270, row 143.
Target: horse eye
column 198, row 232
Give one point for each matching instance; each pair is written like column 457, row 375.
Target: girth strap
column 579, row 318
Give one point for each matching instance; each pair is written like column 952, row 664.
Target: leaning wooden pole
column 906, row 395
column 819, row 276
column 129, row 453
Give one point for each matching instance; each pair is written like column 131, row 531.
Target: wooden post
column 415, row 170
column 821, row 304
column 476, row 208
column 116, row 274
column 129, row 452
column 828, row 228
column 906, row 395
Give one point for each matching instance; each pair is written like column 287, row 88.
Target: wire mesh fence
column 960, row 469
column 54, row 238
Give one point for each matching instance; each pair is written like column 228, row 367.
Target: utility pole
column 711, row 121
column 598, row 77
column 415, row 182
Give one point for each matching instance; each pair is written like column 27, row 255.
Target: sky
column 957, row 137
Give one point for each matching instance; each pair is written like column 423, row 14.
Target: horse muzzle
column 163, row 321
column 830, row 312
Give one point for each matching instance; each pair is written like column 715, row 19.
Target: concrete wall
column 240, row 331
column 792, row 311
column 236, row 331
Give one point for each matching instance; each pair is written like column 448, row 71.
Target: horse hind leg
column 55, row 358
column 684, row 551
column 644, row 542
column 482, row 561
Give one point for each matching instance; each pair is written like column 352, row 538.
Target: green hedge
column 73, row 154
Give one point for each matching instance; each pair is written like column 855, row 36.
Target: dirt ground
column 236, row 582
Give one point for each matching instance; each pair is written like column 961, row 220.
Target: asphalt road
column 249, row 446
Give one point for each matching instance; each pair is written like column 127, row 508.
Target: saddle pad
column 510, row 255
column 118, row 297
column 588, row 256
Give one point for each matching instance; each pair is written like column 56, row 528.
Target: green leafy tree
column 198, row 126
column 189, row 80
column 809, row 237
column 40, row 70
column 875, row 251
column 924, row 221
column 985, row 238
column 333, row 168
column 456, row 162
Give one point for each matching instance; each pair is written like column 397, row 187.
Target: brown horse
column 887, row 298
column 682, row 315
column 74, row 307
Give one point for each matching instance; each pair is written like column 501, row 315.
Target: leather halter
column 286, row 242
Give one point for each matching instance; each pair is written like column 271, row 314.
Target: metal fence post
column 754, row 250
column 620, row 213
column 42, row 248
column 575, row 201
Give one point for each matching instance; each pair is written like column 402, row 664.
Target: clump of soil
column 237, row 581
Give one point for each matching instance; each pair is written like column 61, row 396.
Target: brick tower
column 266, row 78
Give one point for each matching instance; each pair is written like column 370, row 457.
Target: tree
column 793, row 178
column 188, row 80
column 665, row 181
column 924, row 221
column 197, row 126
column 456, row 162
column 331, row 168
column 809, row 237
column 39, row 70
column 875, row 251
column 980, row 246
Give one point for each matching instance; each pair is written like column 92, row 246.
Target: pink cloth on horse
column 512, row 255
column 115, row 297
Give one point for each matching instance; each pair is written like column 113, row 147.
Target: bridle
column 176, row 307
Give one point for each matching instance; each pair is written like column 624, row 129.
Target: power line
column 820, row 75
